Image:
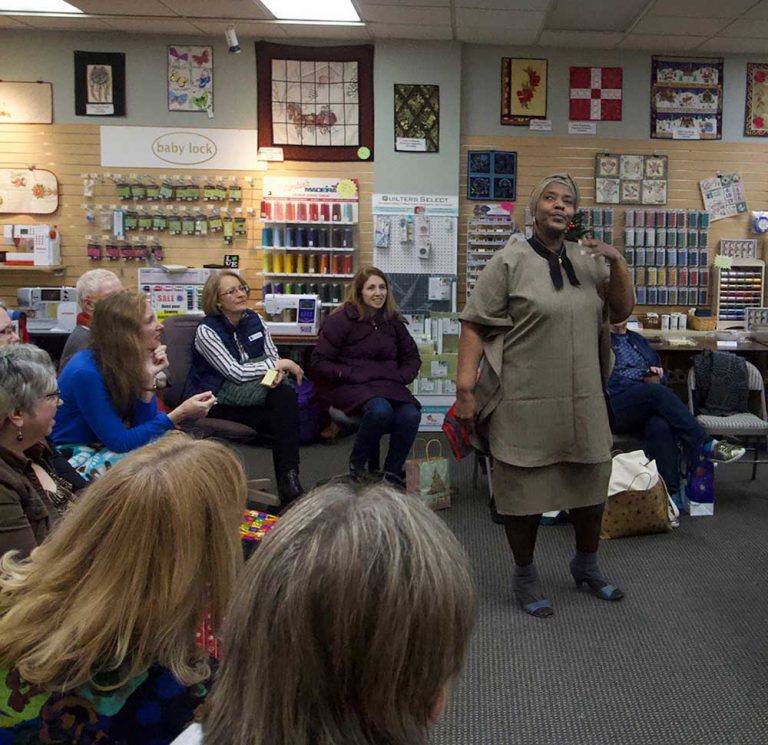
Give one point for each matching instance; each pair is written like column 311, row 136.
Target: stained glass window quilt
column 491, row 175
column 595, row 94
column 315, row 103
column 417, row 115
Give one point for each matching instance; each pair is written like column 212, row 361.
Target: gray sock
column 526, row 582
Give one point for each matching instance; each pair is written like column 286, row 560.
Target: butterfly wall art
column 190, row 78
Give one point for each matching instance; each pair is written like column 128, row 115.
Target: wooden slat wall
column 71, row 150
column 689, row 163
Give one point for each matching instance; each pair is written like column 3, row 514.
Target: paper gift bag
column 428, row 478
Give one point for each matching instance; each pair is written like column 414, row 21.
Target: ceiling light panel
column 312, row 10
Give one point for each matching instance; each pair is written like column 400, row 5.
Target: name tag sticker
column 255, row 336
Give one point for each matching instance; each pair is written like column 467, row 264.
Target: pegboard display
column 421, row 293
column 415, row 233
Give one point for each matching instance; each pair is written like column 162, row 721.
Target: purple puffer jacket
column 358, row 359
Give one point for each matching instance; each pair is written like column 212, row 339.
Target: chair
column 179, row 336
column 752, row 424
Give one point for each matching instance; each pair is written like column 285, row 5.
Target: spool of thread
column 335, row 292
column 312, row 238
column 312, row 264
column 267, row 262
column 324, row 236
column 314, row 211
column 336, row 264
column 290, row 263
column 336, row 212
column 289, row 288
column 347, row 238
column 301, row 288
column 277, row 288
column 348, row 212
column 277, row 237
column 290, row 211
column 266, row 236
column 301, row 212
column 347, row 264
column 278, row 211
column 301, row 264
column 290, row 236
column 336, row 237
column 266, row 209
column 325, row 212
column 313, row 288
column 324, row 264
column 301, row 237
column 325, row 293
column 277, row 263
column 266, row 289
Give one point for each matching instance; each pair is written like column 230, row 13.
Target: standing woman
column 368, row 358
column 539, row 317
column 233, row 351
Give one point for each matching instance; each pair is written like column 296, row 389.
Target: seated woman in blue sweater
column 641, row 403
column 108, row 391
column 233, row 351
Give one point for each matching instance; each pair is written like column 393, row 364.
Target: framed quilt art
column 595, row 94
column 523, row 90
column 316, row 103
column 99, row 84
column 756, row 105
column 491, row 175
column 630, row 179
column 190, row 78
column 686, row 93
column 417, row 118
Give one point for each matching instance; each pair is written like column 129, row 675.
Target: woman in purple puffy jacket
column 367, row 358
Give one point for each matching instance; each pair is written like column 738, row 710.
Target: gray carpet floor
column 683, row 659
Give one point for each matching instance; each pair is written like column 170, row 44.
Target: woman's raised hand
column 195, row 407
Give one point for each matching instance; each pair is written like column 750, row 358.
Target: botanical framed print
column 491, row 175
column 417, row 118
column 190, row 78
column 523, row 90
column 686, row 93
column 630, row 179
column 316, row 103
column 99, row 84
column 756, row 105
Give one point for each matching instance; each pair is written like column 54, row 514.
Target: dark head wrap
column 556, row 260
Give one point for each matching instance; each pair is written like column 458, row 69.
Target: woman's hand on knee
column 288, row 367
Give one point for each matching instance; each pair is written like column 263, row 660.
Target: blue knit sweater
column 87, row 415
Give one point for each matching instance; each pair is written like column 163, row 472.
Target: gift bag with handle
column 427, row 477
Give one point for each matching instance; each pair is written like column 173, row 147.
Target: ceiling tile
column 243, row 28
column 66, row 23
column 580, row 39
column 498, row 35
column 747, row 29
column 152, row 26
column 677, row 25
column 120, row 7
column 8, row 22
column 722, row 45
column 377, row 13
column 656, row 43
column 598, row 15
column 342, row 33
column 511, row 21
column 759, row 11
column 540, row 5
column 400, row 3
column 407, row 31
column 223, row 9
column 700, row 8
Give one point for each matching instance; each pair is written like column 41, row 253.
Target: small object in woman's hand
column 269, row 377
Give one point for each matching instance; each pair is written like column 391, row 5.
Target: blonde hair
column 354, row 613
column 123, row 580
column 355, row 293
column 116, row 342
column 211, row 291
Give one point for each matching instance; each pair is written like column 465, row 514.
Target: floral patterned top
column 152, row 709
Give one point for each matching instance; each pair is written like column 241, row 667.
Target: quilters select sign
column 156, row 147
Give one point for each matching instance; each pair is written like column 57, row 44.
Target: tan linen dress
column 541, row 407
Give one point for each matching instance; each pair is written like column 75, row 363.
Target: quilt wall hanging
column 756, row 106
column 523, row 90
column 491, row 175
column 28, row 191
column 25, row 103
column 686, row 93
column 417, row 118
column 631, row 179
column 595, row 94
column 316, row 103
column 723, row 195
column 99, row 84
column 190, row 78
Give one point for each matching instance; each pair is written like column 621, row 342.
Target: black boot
column 289, row 487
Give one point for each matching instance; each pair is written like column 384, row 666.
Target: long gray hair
column 347, row 623
column 26, row 375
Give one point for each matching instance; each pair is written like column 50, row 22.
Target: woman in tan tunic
column 539, row 317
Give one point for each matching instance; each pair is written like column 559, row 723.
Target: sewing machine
column 292, row 315
column 48, row 308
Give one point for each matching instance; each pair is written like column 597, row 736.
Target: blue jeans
column 666, row 424
column 381, row 416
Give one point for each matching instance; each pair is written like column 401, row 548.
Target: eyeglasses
column 233, row 290
column 55, row 396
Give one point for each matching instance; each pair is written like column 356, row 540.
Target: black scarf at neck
column 555, row 259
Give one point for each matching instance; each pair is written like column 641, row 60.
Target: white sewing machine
column 52, row 309
column 292, row 315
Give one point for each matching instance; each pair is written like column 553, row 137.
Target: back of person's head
column 130, row 569
column 210, row 298
column 355, row 292
column 116, row 342
column 347, row 625
column 26, row 375
column 94, row 285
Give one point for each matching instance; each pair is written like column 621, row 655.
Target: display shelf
column 485, row 236
column 305, row 275
column 308, row 249
column 45, row 269
column 738, row 288
column 310, row 222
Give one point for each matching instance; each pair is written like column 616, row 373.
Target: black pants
column 279, row 417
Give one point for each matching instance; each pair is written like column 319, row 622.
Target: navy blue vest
column 249, row 331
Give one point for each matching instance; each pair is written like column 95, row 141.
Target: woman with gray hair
column 31, row 496
column 349, row 626
column 539, row 317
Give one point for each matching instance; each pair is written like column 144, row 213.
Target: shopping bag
column 699, row 486
column 428, row 477
column 638, row 501
column 457, row 433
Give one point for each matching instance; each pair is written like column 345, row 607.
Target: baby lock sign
column 156, row 147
